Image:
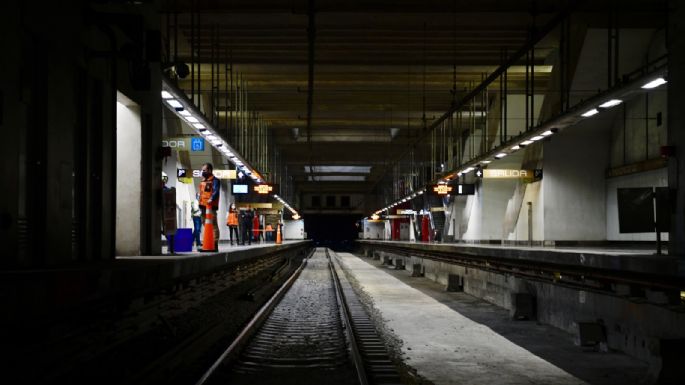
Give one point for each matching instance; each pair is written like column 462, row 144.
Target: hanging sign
column 466, row 189
column 219, row 174
column 442, row 189
column 512, row 174
column 263, row 189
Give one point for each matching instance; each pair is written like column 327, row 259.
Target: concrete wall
column 654, row 178
column 373, row 230
column 574, row 178
column 293, row 229
column 129, row 180
column 533, row 193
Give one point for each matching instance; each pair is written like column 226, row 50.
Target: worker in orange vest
column 232, row 223
column 210, row 188
column 269, row 233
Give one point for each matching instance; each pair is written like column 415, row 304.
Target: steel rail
column 348, row 325
column 252, row 326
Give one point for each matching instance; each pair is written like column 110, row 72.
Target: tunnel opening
column 337, row 232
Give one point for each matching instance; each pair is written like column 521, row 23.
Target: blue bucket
column 183, row 241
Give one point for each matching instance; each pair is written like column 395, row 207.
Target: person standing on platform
column 168, row 212
column 210, row 187
column 197, row 223
column 255, row 225
column 246, row 225
column 232, row 223
column 269, row 233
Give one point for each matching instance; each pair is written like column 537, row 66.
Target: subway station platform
column 639, row 260
column 455, row 338
column 46, row 290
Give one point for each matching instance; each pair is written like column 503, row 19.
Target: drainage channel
column 314, row 330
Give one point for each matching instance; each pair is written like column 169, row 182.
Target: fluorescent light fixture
column 211, row 137
column 420, row 192
column 167, row 95
column 184, row 113
column 589, row 113
column 500, row 155
column 192, row 119
column 174, row 103
column 485, row 161
column 526, row 142
column 654, row 83
column 536, row 138
column 199, row 125
column 468, row 170
column 517, row 147
column 611, row 103
column 338, row 169
column 547, row 133
column 337, row 178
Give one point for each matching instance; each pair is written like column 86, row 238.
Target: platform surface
column 447, row 347
column 636, row 259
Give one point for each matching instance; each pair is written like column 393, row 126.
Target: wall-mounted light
column 589, row 113
column 654, row 83
column 174, row 103
column 500, row 155
column 611, row 103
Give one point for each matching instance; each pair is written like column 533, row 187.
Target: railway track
column 313, row 330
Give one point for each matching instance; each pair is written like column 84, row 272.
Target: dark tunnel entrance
column 335, row 231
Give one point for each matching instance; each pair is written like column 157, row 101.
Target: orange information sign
column 263, row 188
column 442, row 189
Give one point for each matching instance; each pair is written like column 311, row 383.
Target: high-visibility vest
column 232, row 218
column 206, row 191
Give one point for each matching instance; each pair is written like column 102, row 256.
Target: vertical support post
column 530, row 224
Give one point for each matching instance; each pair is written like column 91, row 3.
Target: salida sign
column 512, row 174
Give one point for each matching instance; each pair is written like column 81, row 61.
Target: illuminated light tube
column 174, row 103
column 192, row 119
column 517, row 147
column 536, row 138
column 654, row 83
column 500, row 155
column 184, row 113
column 590, row 113
column 526, row 142
column 547, row 133
column 211, row 137
column 468, row 170
column 611, row 103
column 486, row 161
column 420, row 192
column 167, row 95
column 199, row 125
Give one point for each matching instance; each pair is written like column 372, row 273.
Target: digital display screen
column 239, row 189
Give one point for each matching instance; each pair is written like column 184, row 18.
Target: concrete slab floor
column 455, row 338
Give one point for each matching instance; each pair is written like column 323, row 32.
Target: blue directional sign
column 197, row 144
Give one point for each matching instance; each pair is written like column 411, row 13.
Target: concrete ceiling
column 377, row 65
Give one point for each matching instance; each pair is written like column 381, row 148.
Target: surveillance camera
column 182, row 70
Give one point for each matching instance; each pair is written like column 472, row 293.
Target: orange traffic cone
column 278, row 234
column 208, row 237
